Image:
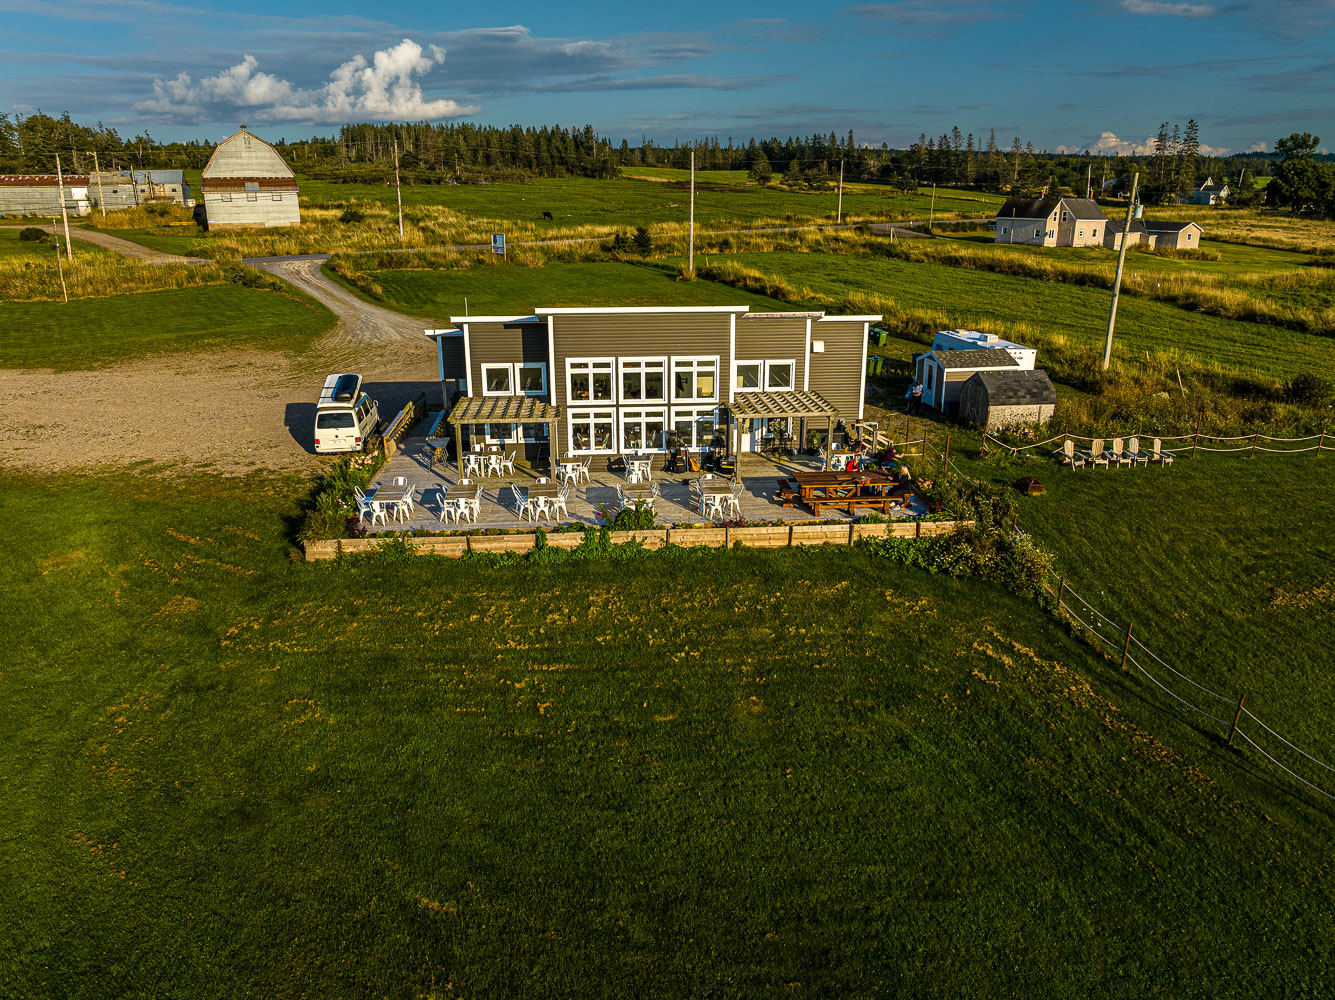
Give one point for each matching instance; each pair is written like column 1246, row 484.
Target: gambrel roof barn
column 246, row 183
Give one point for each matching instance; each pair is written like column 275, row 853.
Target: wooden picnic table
column 846, row 490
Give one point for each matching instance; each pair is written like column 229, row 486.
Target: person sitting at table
column 856, row 460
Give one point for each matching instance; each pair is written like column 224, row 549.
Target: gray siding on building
column 761, row 339
column 504, row 344
column 837, row 372
column 641, row 335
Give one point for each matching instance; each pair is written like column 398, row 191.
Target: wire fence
column 1186, row 691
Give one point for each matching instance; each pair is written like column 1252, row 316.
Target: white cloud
column 1256, row 147
column 1168, row 9
column 1107, row 144
column 380, row 89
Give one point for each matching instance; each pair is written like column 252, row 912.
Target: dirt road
column 123, row 247
column 232, row 412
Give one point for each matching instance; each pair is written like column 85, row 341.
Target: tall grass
column 93, row 276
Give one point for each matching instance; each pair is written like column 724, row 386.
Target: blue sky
column 1085, row 74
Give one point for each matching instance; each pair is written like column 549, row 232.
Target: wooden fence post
column 1126, row 646
column 1254, row 437
column 945, row 465
column 1197, row 440
column 908, row 422
column 1237, row 715
column 983, row 449
column 1321, row 441
column 1061, row 589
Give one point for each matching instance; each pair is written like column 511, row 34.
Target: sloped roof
column 1118, row 225
column 245, row 155
column 1168, row 227
column 985, row 357
column 1041, row 208
column 1022, row 388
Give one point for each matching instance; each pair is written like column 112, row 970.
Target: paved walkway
column 674, row 505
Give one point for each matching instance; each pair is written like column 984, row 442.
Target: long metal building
column 246, row 183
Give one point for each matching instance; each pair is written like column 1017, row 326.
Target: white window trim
column 792, row 381
column 738, row 364
column 612, row 377
column 644, row 413
column 621, row 379
column 542, row 367
column 695, row 360
column 694, row 412
column 509, row 374
column 608, row 413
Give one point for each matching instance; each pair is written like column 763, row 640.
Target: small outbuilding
column 246, row 183
column 943, row 373
column 1005, row 398
column 1175, row 235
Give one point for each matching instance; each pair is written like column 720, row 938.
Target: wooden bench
column 785, row 490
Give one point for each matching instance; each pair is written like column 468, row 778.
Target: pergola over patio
column 505, row 410
column 799, row 405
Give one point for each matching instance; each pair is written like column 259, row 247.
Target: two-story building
column 1051, row 222
column 612, row 380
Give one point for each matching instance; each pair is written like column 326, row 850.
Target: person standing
column 915, row 397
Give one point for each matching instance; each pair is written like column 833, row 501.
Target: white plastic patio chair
column 584, row 470
column 558, row 503
column 508, row 462
column 364, row 507
column 474, row 464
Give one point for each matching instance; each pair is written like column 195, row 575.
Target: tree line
column 470, row 153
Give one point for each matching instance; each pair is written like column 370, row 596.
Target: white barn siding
column 246, row 183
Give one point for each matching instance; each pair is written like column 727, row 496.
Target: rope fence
column 1195, row 439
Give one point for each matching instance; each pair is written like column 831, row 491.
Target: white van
column 346, row 419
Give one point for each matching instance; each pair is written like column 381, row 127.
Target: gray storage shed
column 1005, row 398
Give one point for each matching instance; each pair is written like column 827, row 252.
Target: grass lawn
column 1236, row 258
column 186, row 241
column 1225, row 564
column 89, row 333
column 11, row 246
column 507, row 289
column 1077, row 316
column 628, row 203
column 725, row 773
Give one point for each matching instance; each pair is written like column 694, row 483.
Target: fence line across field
column 989, row 439
column 1235, row 728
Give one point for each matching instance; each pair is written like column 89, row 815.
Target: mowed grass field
column 1235, row 258
column 1067, row 316
column 727, row 773
column 89, row 333
column 503, row 289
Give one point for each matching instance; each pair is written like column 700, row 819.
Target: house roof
column 1118, row 225
column 1213, row 188
column 1041, row 208
column 986, row 357
column 1023, row 388
column 1168, row 227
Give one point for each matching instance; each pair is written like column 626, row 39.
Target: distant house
column 246, row 183
column 1140, row 236
column 1175, row 235
column 993, row 399
column 1210, row 193
column 943, row 373
column 39, row 194
column 1051, row 222
column 162, row 186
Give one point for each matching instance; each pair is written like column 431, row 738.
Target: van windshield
column 328, row 421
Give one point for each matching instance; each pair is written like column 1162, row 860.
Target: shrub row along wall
column 766, row 537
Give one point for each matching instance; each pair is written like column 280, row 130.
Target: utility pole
column 101, row 199
column 60, row 185
column 59, row 266
column 839, row 214
column 931, row 213
column 690, row 252
column 1117, row 281
column 1089, row 180
column 398, row 192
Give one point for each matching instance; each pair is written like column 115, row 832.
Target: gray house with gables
column 607, row 381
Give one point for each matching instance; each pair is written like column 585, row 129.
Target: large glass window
column 589, row 380
column 748, row 376
column 532, row 378
column 642, row 430
column 695, row 379
column 779, row 375
column 643, row 380
column 695, row 428
column 498, row 380
column 592, row 431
